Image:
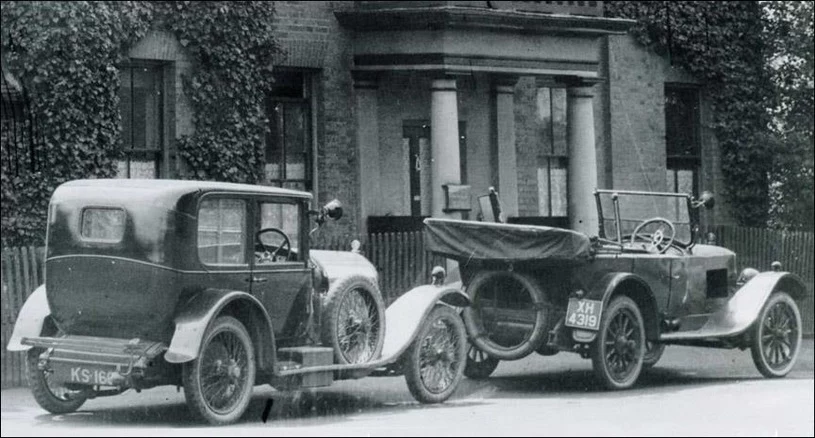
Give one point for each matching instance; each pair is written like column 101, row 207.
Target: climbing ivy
column 721, row 43
column 66, row 57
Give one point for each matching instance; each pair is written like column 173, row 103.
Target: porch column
column 367, row 139
column 444, row 143
column 582, row 160
column 507, row 162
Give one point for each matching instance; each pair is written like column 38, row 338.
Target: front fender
column 744, row 307
column 192, row 322
column 406, row 314
column 30, row 320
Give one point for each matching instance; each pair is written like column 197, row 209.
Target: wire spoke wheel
column 357, row 327
column 218, row 384
column 777, row 337
column 434, row 363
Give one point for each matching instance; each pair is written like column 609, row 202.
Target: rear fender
column 191, row 325
column 409, row 311
column 635, row 288
column 30, row 320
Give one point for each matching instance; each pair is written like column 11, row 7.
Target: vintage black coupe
column 618, row 297
column 213, row 287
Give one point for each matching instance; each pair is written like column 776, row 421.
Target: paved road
column 692, row 391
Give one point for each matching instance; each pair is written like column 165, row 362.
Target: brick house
column 394, row 107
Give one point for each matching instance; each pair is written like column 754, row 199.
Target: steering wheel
column 657, row 239
column 272, row 255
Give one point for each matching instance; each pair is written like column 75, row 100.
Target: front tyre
column 617, row 353
column 434, row 362
column 777, row 336
column 479, row 364
column 218, row 384
column 51, row 396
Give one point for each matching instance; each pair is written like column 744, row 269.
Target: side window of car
column 278, row 236
column 222, row 231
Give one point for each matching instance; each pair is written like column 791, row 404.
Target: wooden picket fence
column 403, row 263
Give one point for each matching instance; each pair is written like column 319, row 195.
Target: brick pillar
column 367, row 139
column 444, row 143
column 582, row 160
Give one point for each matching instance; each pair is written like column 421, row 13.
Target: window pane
column 106, row 224
column 143, row 169
column 559, row 122
column 285, row 217
column 295, row 141
column 553, row 187
column 274, row 141
column 681, row 121
column 222, row 231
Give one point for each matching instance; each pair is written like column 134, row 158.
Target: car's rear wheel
column 51, row 396
column 218, row 384
column 617, row 353
column 508, row 315
column 653, row 353
column 479, row 364
column 777, row 336
column 353, row 320
column 434, row 362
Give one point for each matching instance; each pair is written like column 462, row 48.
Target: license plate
column 584, row 314
column 87, row 375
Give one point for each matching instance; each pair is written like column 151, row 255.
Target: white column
column 367, row 138
column 444, row 143
column 582, row 161
column 507, row 161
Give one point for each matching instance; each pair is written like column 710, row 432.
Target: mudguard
column 404, row 317
column 30, row 320
column 191, row 325
column 744, row 306
column 610, row 282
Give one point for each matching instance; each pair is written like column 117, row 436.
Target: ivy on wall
column 721, row 43
column 66, row 56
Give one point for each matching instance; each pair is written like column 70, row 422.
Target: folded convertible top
column 470, row 240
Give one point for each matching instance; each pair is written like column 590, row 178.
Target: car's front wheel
column 51, row 396
column 434, row 362
column 617, row 353
column 777, row 336
column 218, row 384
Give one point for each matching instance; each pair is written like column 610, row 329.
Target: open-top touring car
column 213, row 287
column 619, row 297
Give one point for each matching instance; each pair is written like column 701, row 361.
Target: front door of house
column 416, row 141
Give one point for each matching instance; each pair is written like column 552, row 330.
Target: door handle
column 256, row 280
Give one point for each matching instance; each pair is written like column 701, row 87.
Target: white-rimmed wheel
column 353, row 320
column 52, row 396
column 218, row 384
column 434, row 362
column 777, row 336
column 618, row 351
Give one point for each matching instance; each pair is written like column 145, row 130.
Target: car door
column 223, row 241
column 281, row 277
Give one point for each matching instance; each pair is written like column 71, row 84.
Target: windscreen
column 634, row 209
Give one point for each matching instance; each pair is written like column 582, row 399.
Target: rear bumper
column 94, row 361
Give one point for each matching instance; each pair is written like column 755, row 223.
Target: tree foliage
column 66, row 55
column 721, row 43
column 790, row 37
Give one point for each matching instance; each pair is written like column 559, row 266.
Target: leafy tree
column 789, row 34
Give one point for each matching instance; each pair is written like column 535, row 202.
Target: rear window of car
column 103, row 224
column 222, row 231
